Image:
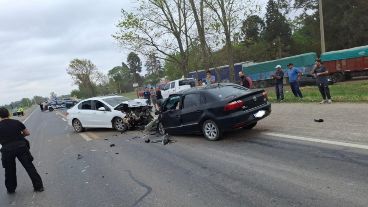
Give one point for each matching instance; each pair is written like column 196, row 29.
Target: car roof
column 204, row 88
column 101, row 97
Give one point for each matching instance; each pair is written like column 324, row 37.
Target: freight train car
column 345, row 64
column 222, row 73
column 261, row 73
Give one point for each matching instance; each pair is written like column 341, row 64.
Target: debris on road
column 112, row 145
column 318, row 120
column 116, row 153
column 106, row 139
column 79, row 157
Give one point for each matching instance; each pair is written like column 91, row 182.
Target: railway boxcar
column 344, row 64
column 261, row 72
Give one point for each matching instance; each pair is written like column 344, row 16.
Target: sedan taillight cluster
column 234, row 105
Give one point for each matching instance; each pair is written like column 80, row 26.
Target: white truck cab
column 177, row 86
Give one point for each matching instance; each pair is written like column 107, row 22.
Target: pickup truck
column 176, row 86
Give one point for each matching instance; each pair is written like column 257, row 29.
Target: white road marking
column 29, row 116
column 308, row 139
column 86, row 137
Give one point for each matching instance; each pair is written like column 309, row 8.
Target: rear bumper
column 243, row 118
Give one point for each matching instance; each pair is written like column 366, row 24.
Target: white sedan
column 97, row 112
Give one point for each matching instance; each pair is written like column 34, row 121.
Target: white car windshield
column 114, row 101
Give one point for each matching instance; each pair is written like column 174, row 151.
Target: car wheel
column 250, row 126
column 160, row 129
column 51, row 109
column 77, row 125
column 211, row 131
column 119, row 125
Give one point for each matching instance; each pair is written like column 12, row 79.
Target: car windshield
column 114, row 101
column 223, row 92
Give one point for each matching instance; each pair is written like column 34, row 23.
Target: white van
column 177, row 86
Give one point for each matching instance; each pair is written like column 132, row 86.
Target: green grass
column 352, row 91
column 131, row 95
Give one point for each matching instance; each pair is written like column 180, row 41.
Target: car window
column 222, row 92
column 172, row 103
column 114, row 101
column 166, row 87
column 172, row 85
column 187, row 82
column 192, row 100
column 99, row 104
column 85, row 105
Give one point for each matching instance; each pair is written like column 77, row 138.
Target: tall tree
column 153, row 64
column 227, row 13
column 252, row 29
column 160, row 25
column 85, row 75
column 277, row 31
column 134, row 63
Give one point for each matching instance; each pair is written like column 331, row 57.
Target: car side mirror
column 102, row 109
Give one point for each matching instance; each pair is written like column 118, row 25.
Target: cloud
column 38, row 38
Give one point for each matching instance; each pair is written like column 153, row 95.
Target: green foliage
column 134, row 63
column 252, row 29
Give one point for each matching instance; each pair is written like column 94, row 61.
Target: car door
column 192, row 111
column 101, row 118
column 171, row 119
column 84, row 113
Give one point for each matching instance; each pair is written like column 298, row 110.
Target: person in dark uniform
column 14, row 145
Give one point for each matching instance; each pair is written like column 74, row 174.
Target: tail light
column 265, row 95
column 234, row 105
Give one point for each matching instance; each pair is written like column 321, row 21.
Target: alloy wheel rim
column 211, row 130
column 77, row 125
column 119, row 124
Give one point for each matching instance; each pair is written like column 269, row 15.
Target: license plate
column 260, row 114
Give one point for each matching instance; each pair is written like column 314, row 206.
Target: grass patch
column 131, row 95
column 352, row 91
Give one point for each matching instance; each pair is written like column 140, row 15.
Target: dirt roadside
column 345, row 122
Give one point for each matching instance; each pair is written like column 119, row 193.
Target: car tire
column 77, row 125
column 51, row 109
column 160, row 129
column 211, row 131
column 119, row 125
column 250, row 126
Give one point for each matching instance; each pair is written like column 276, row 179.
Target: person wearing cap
column 14, row 145
column 320, row 73
column 279, row 82
column 294, row 75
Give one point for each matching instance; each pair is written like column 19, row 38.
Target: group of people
column 319, row 72
column 153, row 96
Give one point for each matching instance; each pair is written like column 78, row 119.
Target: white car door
column 84, row 113
column 101, row 118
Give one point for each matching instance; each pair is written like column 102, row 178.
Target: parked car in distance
column 177, row 86
column 97, row 112
column 213, row 110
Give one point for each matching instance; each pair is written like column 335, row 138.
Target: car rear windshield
column 223, row 92
column 187, row 82
column 114, row 101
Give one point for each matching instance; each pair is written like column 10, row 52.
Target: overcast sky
column 38, row 39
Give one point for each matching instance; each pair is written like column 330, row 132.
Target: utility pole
column 321, row 27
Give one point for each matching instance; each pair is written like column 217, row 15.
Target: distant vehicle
column 98, row 112
column 177, row 86
column 213, row 110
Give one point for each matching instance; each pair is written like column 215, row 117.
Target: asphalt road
column 248, row 168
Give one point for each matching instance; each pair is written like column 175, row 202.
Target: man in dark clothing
column 320, row 72
column 279, row 85
column 14, row 145
column 41, row 106
column 147, row 95
column 245, row 81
